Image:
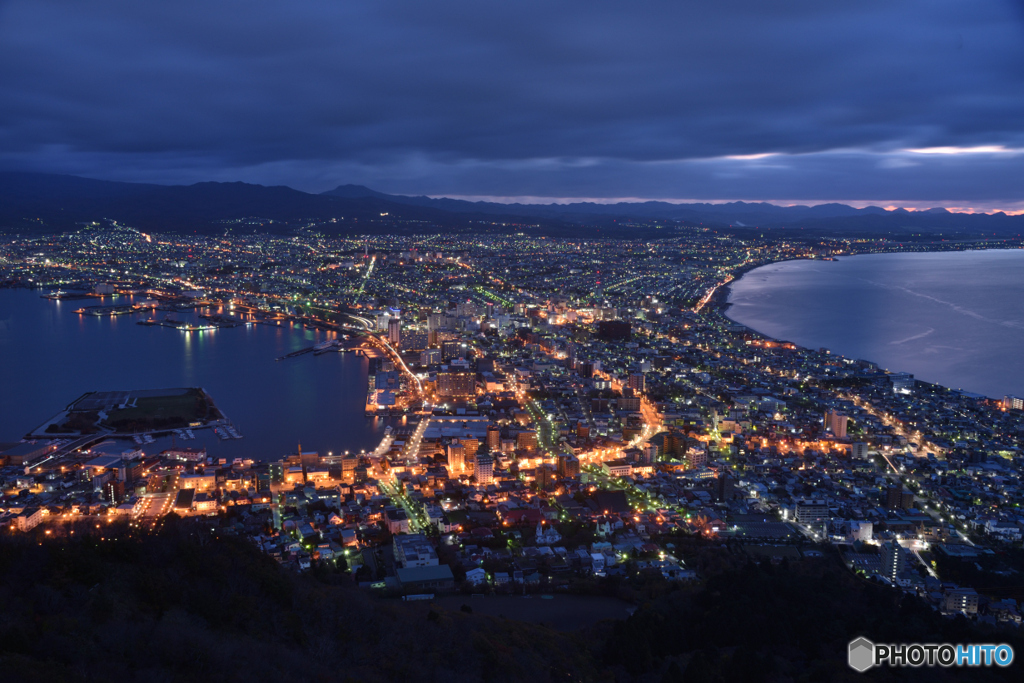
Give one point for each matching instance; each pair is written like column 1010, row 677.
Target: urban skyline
column 581, row 341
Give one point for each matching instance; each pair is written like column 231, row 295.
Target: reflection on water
column 53, row 355
column 953, row 318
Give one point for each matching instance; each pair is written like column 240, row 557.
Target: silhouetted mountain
column 59, row 202
column 832, row 217
column 48, row 203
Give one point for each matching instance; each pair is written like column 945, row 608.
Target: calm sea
column 49, row 356
column 953, row 318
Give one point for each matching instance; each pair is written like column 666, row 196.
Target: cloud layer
column 737, row 99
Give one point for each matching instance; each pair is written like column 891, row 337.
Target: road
column 153, row 507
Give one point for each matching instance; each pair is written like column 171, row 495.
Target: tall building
column 452, row 348
column 546, row 476
column 395, row 331
column 484, row 471
column 456, row 384
column 811, row 512
column 893, row 560
column 836, row 423
column 894, row 497
column 724, row 487
column 526, row 440
column 493, row 438
column 1013, row 403
column 568, row 465
column 696, row 458
column 456, row 458
column 637, row 382
column 471, row 444
column 859, row 450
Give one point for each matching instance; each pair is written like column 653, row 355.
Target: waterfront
column 54, row 355
column 953, row 318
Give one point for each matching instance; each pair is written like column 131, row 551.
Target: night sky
column 906, row 102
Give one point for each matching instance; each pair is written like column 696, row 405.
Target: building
column 696, row 458
column 546, row 475
column 637, row 382
column 614, row 330
column 1013, row 403
column 395, row 331
column 493, row 438
column 898, row 499
column 456, row 384
column 902, row 382
column 526, row 440
column 27, row 453
column 484, row 469
column 200, row 482
column 471, row 444
column 452, row 348
column 961, row 600
column 413, row 550
column 894, row 497
column 414, row 341
column 456, row 458
column 397, row 521
column 29, row 518
column 836, row 423
column 859, row 450
column 433, row 578
column 630, row 403
column 617, row 468
column 568, row 465
column 811, row 512
column 893, row 560
column 725, row 486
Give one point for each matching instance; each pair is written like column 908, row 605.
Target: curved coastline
column 723, row 302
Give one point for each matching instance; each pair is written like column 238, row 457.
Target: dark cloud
column 584, row 99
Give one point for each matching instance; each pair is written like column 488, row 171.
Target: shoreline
column 720, row 303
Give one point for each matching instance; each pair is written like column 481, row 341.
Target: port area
column 134, row 414
column 329, row 346
column 213, row 322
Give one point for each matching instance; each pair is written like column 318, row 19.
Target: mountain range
column 51, row 203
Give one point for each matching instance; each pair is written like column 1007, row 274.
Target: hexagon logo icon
column 862, row 654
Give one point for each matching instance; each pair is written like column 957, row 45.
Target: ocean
column 52, row 355
column 952, row 318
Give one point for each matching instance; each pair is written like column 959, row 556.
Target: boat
column 147, row 438
column 137, row 439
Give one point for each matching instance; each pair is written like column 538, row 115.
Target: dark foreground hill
column 187, row 606
column 180, row 608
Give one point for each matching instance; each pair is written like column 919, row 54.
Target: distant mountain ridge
column 741, row 214
column 51, row 203
column 62, row 202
